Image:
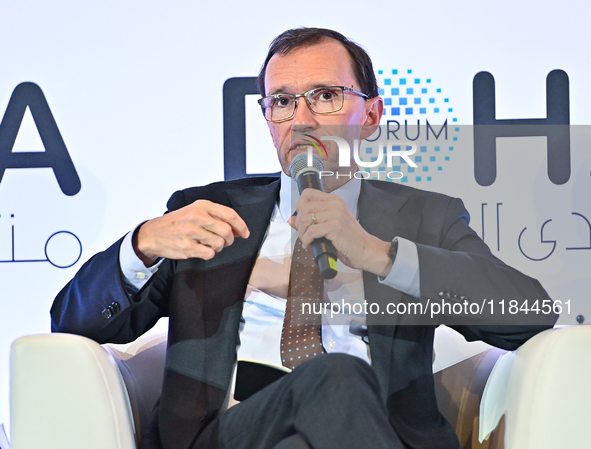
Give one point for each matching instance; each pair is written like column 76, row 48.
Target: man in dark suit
column 202, row 260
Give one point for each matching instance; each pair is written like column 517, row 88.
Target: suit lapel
column 389, row 212
column 386, row 211
column 231, row 269
column 205, row 307
column 255, row 205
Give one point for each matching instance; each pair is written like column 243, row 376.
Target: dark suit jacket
column 204, row 302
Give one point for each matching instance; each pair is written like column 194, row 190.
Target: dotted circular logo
column 416, row 110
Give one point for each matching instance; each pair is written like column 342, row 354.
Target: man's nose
column 304, row 119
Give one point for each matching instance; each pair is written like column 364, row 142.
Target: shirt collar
column 289, row 195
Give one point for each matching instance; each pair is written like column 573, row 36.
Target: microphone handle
column 309, row 180
column 325, row 254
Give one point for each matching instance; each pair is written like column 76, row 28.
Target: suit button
column 115, row 307
column 441, row 294
column 107, row 313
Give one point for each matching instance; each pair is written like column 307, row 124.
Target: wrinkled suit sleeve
column 462, row 268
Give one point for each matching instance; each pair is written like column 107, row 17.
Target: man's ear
column 374, row 115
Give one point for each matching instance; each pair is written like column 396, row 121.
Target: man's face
column 325, row 64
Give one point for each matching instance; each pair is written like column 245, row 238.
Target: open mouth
column 310, row 141
column 300, row 146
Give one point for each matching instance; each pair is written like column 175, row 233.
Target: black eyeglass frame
column 296, row 97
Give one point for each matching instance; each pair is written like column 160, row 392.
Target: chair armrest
column 459, row 389
column 547, row 399
column 141, row 365
column 66, row 392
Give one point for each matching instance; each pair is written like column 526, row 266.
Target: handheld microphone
column 325, row 254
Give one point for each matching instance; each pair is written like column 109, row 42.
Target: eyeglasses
column 321, row 100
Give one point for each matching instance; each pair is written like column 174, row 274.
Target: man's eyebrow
column 279, row 90
column 286, row 90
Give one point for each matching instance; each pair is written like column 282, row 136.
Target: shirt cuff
column 135, row 273
column 405, row 274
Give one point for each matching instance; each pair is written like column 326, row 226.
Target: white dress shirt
column 265, row 298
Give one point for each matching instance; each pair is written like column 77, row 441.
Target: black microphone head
column 299, row 165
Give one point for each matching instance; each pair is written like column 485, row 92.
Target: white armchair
column 543, row 392
column 67, row 392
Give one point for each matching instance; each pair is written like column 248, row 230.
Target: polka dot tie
column 301, row 338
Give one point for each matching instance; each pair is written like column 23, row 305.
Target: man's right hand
column 200, row 230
